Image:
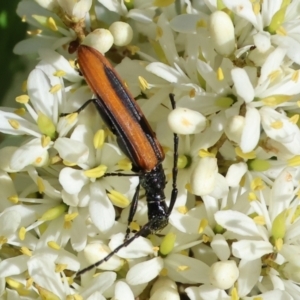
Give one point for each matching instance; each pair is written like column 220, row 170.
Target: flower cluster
column 233, row 67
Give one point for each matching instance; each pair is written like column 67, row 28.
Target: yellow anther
column 118, row 199
column 40, row 184
column 24, row 99
column 143, row 83
column 45, row 141
column 182, row 209
column 159, row 32
column 14, row 124
column 14, row 199
column 182, row 268
column 248, row 155
column 203, row 224
column 257, row 184
column 26, row 251
column 52, row 24
column 220, row 74
column 34, row 32
column 99, row 139
column 96, row 172
column 259, row 220
column 22, row 233
column 277, row 125
column 59, row 73
column 55, row 88
column 70, row 217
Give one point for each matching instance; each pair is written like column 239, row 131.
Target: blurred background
column 13, row 68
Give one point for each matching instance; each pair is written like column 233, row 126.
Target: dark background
column 12, row 30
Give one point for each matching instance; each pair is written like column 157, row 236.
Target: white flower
column 75, row 10
column 49, row 32
column 233, row 232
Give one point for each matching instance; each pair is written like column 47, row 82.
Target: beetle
column 137, row 140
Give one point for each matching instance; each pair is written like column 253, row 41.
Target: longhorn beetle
column 136, row 139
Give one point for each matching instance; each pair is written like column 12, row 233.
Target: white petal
column 186, row 269
column 42, row 269
column 220, row 247
column 115, row 6
column 29, row 46
column 13, row 266
column 141, row 15
column 101, row 209
column 96, row 296
column 27, row 154
column 262, row 41
column 78, row 234
column 242, row 84
column 272, row 63
column 209, row 75
column 249, row 274
column 145, row 271
column 167, row 40
column 71, row 150
column 278, row 295
column 242, row 8
column 123, row 291
column 166, row 72
column 38, row 85
column 235, row 174
column 282, row 192
column 279, row 128
column 140, row 247
column 237, row 222
column 96, row 251
column 60, row 63
column 208, row 292
column 251, row 132
column 6, row 154
column 186, row 23
column 221, row 187
column 251, row 249
column 24, row 126
column 234, row 128
column 9, row 222
column 72, row 180
column 7, row 189
column 98, row 284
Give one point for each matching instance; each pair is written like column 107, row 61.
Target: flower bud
column 203, row 177
column 100, row 39
column 222, row 32
column 163, row 282
column 186, row 121
column 223, row 274
column 122, row 33
column 165, row 293
column 94, row 252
